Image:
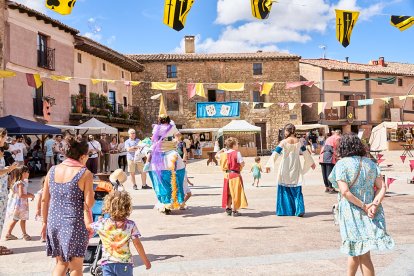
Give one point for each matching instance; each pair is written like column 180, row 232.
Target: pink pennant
column 282, row 104
column 403, row 157
column 380, row 155
column 412, row 165
column 379, row 161
column 390, row 181
column 295, row 84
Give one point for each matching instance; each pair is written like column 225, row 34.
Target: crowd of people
column 72, row 162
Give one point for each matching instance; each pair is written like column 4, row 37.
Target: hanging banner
column 296, row 84
column 195, row 89
column 291, row 106
column 132, row 83
column 321, row 107
column 339, row 104
column 345, row 22
column 175, row 13
column 402, row 22
column 261, row 8
column 34, row 80
column 230, row 86
column 60, row 78
column 164, row 85
column 267, row 105
column 265, row 87
column 365, row 102
column 215, row 110
column 63, row 7
column 7, row 74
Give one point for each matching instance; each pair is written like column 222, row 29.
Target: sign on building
column 216, row 110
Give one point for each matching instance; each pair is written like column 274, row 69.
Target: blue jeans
column 117, row 269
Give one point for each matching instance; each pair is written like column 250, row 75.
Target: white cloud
column 289, row 21
column 93, row 36
column 111, row 40
column 38, row 5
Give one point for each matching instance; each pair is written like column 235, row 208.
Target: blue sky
column 296, row 26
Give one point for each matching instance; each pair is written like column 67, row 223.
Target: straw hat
column 119, row 175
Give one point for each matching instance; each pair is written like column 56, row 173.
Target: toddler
column 18, row 205
column 257, row 171
column 116, row 232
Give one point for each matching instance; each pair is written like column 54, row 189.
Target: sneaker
column 228, row 211
column 135, row 187
column 146, row 187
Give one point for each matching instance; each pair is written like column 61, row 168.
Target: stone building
column 327, row 72
column 210, row 69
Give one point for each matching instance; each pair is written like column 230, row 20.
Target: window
column 172, row 100
column 125, row 101
column 38, row 101
column 82, row 92
column 112, row 99
column 258, row 99
column 45, row 55
column 216, row 96
column 122, row 74
column 103, row 66
column 257, row 69
column 79, row 58
column 346, row 78
column 400, row 82
column 171, row 71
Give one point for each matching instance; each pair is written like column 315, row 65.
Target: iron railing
column 46, row 58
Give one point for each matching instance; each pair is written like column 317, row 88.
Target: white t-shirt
column 94, row 146
column 17, row 146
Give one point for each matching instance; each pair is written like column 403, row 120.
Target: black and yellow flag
column 63, row 7
column 175, row 13
column 402, row 22
column 345, row 23
column 261, row 8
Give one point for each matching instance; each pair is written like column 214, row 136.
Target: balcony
column 119, row 115
column 46, row 58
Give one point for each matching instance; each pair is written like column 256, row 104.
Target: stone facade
column 210, row 69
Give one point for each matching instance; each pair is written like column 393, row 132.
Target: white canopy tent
column 378, row 139
column 75, row 129
column 313, row 126
column 241, row 126
column 97, row 127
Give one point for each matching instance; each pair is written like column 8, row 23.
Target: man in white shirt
column 94, row 153
column 16, row 148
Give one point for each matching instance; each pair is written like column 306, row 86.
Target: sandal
column 228, row 211
column 27, row 237
column 236, row 214
column 11, row 237
column 5, row 251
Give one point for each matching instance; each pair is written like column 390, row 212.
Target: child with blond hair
column 116, row 232
column 257, row 171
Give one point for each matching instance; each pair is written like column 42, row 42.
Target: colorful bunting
column 365, row 102
column 402, row 22
column 412, row 165
column 266, row 87
column 132, row 83
column 267, row 105
column 196, row 89
column 33, row 80
column 379, row 156
column 379, row 161
column 321, row 107
column 95, row 81
column 339, row 104
column 402, row 98
column 282, row 105
column 295, row 84
column 175, row 13
column 345, row 23
column 164, row 85
column 63, row 7
column 390, row 180
column 230, row 86
column 60, row 78
column 291, row 106
column 261, row 8
column 386, row 99
column 7, row 74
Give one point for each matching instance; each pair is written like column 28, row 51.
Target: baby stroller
column 102, row 188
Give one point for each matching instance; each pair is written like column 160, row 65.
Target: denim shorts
column 117, row 269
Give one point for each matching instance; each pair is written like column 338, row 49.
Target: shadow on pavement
column 315, row 214
column 143, row 207
column 205, row 187
column 198, row 211
column 170, row 237
column 205, row 194
column 23, row 250
column 257, row 215
column 258, row 228
column 154, row 258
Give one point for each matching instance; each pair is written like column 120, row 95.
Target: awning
column 312, row 126
column 240, row 126
column 197, row 130
column 17, row 125
column 97, row 127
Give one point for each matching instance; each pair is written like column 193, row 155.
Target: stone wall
column 212, row 72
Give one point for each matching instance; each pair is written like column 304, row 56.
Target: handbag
column 335, row 210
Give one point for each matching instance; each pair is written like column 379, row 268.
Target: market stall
column 97, row 127
column 323, row 129
column 206, row 136
column 391, row 135
column 246, row 133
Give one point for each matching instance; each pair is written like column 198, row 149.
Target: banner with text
column 214, row 110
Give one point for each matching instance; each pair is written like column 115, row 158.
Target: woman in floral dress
column 361, row 216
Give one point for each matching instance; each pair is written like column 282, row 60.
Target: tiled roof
column 200, row 57
column 40, row 16
column 390, row 68
column 94, row 48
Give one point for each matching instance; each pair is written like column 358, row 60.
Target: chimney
column 189, row 44
column 381, row 61
column 346, row 59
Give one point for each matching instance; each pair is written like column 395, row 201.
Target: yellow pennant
column 164, row 85
column 230, row 86
column 386, row 99
column 266, row 87
column 134, row 83
column 402, row 22
column 345, row 23
column 339, row 104
column 267, row 105
column 63, row 7
column 175, row 13
column 261, row 8
column 321, row 107
column 7, row 74
column 402, row 98
column 96, row 81
column 291, row 106
column 60, row 78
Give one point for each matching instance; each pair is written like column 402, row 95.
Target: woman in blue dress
column 360, row 214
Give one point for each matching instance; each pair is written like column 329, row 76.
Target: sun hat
column 119, row 175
